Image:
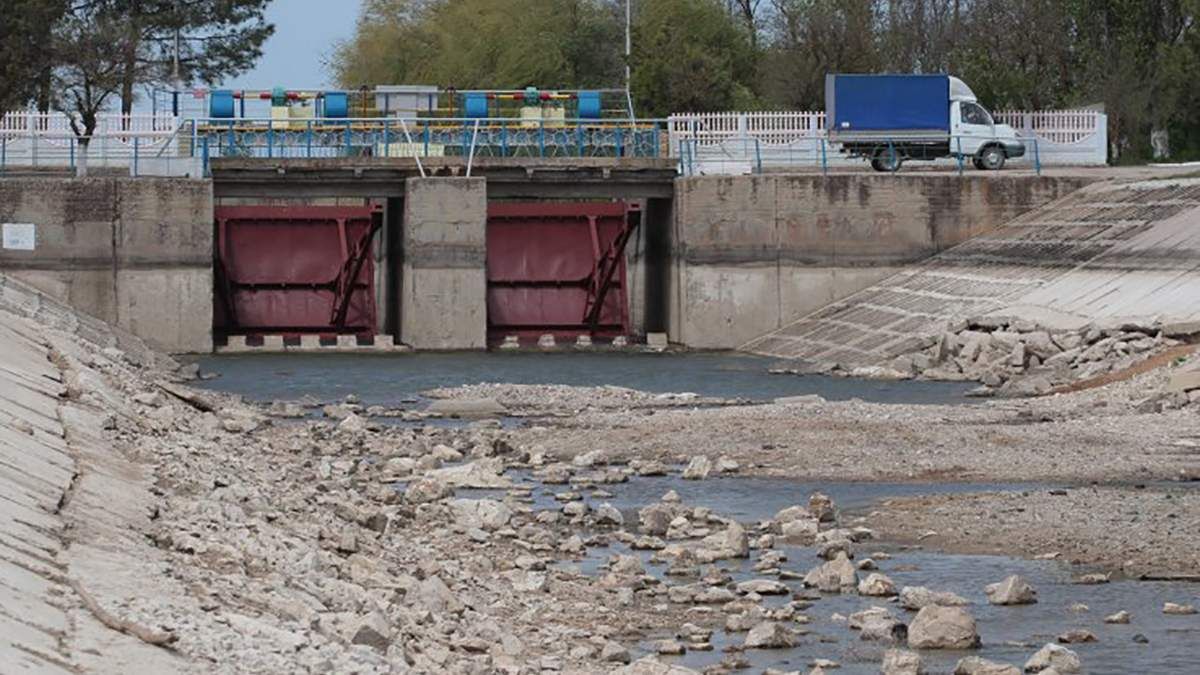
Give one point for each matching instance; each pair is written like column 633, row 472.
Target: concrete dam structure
column 1109, row 253
column 370, row 252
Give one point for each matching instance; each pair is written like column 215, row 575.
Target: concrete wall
column 753, row 253
column 443, row 288
column 136, row 253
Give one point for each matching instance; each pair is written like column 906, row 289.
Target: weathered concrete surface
column 136, row 253
column 1109, row 253
column 752, row 253
column 62, row 487
column 444, row 281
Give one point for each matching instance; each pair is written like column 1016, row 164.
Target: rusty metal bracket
column 351, row 266
column 601, row 278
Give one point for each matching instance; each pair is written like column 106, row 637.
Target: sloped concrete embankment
column 69, row 505
column 1109, row 256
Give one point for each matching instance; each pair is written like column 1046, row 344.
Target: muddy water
column 390, row 379
column 1009, row 634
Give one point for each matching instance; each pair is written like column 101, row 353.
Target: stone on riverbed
column 836, row 576
column 1061, row 659
column 1120, row 617
column 821, row 507
column 698, row 468
column 901, row 662
column 467, row 407
column 916, row 597
column 648, row 665
column 1177, row 609
column 1077, row 635
column 770, row 635
column 1012, row 591
column 481, row 474
column 974, row 665
column 762, row 587
column 426, row 490
column 877, row 585
column 937, row 627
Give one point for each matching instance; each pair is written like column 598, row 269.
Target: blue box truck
column 889, row 119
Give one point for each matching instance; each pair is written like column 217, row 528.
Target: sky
column 305, row 31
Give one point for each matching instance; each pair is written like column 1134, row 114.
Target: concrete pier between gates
column 444, row 285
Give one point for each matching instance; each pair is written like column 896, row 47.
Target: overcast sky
column 305, row 31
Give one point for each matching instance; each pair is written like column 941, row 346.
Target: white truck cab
column 975, row 135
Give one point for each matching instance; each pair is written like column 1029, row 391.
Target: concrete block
column 656, row 340
column 510, row 342
column 383, row 342
column 620, row 341
column 546, row 341
column 1178, row 329
column 347, row 342
column 310, row 342
column 272, row 343
column 583, row 341
column 237, row 343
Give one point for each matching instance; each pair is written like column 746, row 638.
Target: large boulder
column 485, row 514
column 877, row 585
column 1012, row 591
column 426, row 490
column 937, row 627
column 698, row 468
column 480, row 474
column 1062, row 660
column 655, row 519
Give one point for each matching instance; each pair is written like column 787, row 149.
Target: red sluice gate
column 558, row 268
column 295, row 270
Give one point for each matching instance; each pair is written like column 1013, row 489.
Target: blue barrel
column 589, row 105
column 337, row 104
column 475, row 105
column 220, row 104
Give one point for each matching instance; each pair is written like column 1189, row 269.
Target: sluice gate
column 290, row 270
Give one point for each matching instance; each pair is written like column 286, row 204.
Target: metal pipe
column 471, row 155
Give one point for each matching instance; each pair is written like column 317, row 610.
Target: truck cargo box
column 891, row 106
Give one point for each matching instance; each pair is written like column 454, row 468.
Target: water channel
column 1171, row 644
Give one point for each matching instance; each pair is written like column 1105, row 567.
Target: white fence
column 33, row 139
column 743, row 142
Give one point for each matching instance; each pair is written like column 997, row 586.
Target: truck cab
column 975, row 135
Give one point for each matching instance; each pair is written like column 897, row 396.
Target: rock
column 824, row 663
column 655, row 519
column 436, row 596
column 607, row 514
column 821, row 507
column 698, row 468
column 877, row 585
column 937, row 627
column 916, row 597
column 974, row 665
column 427, row 490
column 1092, row 579
column 901, row 662
column 466, row 407
column 799, row 532
column 727, row 465
column 590, row 458
column 762, row 587
column 337, row 411
column 352, row 423
column 668, row 647
column 1061, row 659
column 836, row 576
column 731, row 543
column 482, row 474
column 650, row 666
column 1120, row 617
column 372, row 630
column 1076, row 636
column 486, row 514
column 878, row 624
column 1179, row 610
column 770, row 635
column 1012, row 591
column 614, row 652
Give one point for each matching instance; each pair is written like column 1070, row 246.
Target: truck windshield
column 973, row 113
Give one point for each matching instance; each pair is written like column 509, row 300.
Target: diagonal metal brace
column 601, row 279
column 347, row 278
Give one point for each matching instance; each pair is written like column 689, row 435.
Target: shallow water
column 390, row 379
column 1009, row 634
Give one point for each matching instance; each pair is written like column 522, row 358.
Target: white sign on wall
column 19, row 236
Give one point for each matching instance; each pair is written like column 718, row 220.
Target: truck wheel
column 886, row 160
column 977, row 162
column 991, row 158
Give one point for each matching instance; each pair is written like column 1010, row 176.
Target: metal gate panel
column 295, row 269
column 558, row 267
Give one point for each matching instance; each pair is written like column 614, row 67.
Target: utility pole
column 628, row 54
column 178, row 81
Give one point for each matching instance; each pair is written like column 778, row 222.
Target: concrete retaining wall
column 753, row 253
column 444, row 281
column 136, row 253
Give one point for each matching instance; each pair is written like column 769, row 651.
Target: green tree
column 24, row 59
column 690, row 56
column 484, row 44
